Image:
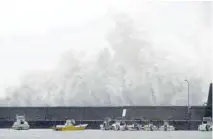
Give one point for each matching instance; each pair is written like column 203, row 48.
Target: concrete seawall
column 98, row 113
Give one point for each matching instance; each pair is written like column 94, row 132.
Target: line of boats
column 133, row 125
column 117, row 125
column 22, row 124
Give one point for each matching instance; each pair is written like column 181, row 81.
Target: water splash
column 136, row 73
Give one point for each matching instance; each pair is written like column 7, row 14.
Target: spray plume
column 136, row 73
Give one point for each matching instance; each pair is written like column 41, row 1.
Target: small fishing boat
column 20, row 123
column 69, row 126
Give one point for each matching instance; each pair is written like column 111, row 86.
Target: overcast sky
column 34, row 34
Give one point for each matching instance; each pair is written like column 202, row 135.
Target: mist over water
column 140, row 67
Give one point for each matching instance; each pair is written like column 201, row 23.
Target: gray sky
column 34, row 34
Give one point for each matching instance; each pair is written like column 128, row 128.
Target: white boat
column 20, row 123
column 135, row 125
column 150, row 127
column 107, row 124
column 119, row 125
column 166, row 127
column 206, row 124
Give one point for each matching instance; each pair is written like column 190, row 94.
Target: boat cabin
column 207, row 120
column 70, row 122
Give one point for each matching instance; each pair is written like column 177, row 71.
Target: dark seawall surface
column 98, row 113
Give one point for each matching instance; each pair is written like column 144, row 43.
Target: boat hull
column 204, row 127
column 167, row 128
column 20, row 127
column 71, row 128
column 150, row 128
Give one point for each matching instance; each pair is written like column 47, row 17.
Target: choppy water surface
column 97, row 134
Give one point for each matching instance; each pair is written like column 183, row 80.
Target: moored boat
column 206, row 124
column 166, row 127
column 20, row 123
column 69, row 126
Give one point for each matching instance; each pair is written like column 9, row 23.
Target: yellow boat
column 69, row 126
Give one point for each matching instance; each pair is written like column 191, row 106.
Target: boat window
column 205, row 122
column 122, row 123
